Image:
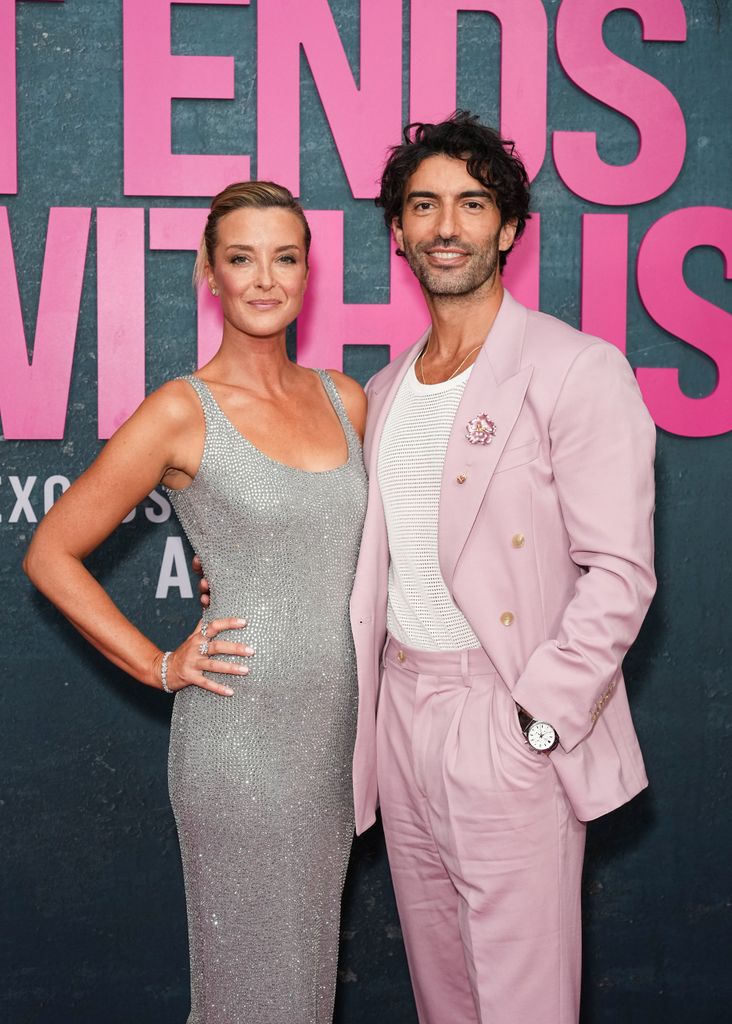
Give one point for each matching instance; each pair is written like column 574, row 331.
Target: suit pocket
column 513, row 759
column 519, row 455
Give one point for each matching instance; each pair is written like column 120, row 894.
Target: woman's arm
column 162, row 440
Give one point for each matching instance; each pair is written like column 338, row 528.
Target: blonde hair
column 242, row 195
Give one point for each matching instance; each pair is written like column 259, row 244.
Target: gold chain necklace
column 454, row 373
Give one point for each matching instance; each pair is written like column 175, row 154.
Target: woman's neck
column 260, row 364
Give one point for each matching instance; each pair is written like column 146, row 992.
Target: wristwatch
column 540, row 736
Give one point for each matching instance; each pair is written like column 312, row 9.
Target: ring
column 204, row 627
column 203, row 648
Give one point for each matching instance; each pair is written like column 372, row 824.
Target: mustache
column 445, row 243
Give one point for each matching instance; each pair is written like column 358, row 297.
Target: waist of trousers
column 471, row 661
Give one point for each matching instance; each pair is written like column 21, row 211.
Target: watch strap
column 525, row 720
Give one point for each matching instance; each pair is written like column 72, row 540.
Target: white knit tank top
column 420, row 611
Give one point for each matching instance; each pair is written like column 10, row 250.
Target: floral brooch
column 480, row 430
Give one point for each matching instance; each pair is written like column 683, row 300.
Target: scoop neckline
column 269, row 458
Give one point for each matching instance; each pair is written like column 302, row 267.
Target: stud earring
column 214, row 291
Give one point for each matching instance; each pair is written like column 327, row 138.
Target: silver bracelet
column 164, row 672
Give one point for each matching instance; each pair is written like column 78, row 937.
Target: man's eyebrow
column 478, row 193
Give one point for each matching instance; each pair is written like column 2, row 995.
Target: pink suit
column 546, row 546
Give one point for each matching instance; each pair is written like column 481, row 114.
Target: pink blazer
column 553, row 522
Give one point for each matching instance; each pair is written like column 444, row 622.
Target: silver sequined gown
column 260, row 782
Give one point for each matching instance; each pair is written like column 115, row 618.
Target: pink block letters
column 696, row 321
column 152, row 78
column 605, row 276
column 327, row 322
column 120, row 315
column 649, row 104
column 433, row 67
column 34, row 394
column 364, row 119
column 182, row 229
column 8, row 127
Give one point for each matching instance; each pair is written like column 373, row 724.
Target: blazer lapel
column 497, row 387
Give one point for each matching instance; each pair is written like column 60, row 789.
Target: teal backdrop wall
column 93, row 917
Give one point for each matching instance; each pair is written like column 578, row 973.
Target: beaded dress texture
column 260, row 782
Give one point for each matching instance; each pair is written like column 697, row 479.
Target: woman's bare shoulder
column 176, row 400
column 172, row 407
column 353, row 397
column 346, row 385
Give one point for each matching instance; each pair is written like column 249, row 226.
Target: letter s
column 700, row 323
column 649, row 104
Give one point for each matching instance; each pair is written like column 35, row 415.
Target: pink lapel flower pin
column 480, row 430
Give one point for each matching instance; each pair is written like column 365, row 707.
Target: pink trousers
column 485, row 852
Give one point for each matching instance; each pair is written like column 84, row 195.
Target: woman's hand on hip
column 197, row 654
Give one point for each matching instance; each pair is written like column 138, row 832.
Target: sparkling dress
column 260, row 782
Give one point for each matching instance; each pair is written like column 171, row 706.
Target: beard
column 455, row 282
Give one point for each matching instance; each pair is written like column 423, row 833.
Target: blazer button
column 461, row 479
column 507, row 618
column 518, row 540
column 401, row 656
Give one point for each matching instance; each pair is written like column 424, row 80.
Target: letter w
column 34, row 392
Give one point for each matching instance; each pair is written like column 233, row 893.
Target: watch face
column 541, row 736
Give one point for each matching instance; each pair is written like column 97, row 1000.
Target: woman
column 261, row 460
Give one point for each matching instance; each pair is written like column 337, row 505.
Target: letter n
column 365, row 119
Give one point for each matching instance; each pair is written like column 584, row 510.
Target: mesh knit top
column 420, row 611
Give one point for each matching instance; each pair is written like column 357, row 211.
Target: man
column 505, row 569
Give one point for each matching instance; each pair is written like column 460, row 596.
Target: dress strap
column 332, row 391
column 217, row 427
column 201, row 389
column 214, row 417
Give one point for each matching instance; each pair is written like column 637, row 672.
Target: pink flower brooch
column 480, row 430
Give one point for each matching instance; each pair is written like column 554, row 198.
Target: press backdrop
column 118, row 121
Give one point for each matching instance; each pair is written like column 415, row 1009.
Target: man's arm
column 602, row 448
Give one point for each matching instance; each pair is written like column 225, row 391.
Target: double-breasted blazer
column 545, row 543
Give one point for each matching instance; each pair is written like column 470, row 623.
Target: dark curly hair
column 491, row 160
